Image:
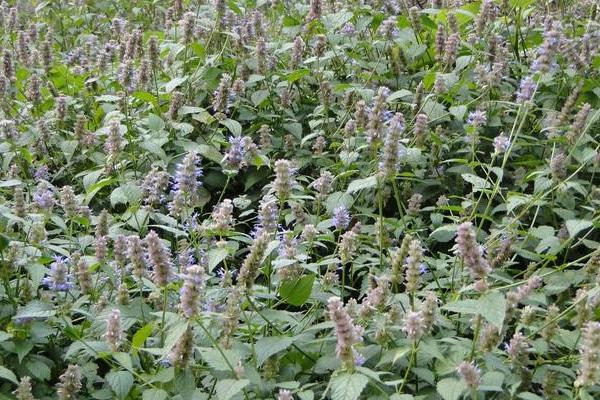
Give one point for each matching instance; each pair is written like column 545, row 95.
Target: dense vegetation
column 255, row 199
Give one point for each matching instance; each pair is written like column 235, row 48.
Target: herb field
column 313, row 199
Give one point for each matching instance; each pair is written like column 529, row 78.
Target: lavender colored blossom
column 501, row 144
column 235, row 156
column 59, row 279
column 187, row 176
column 526, row 89
column 477, row 118
column 43, row 196
column 341, row 217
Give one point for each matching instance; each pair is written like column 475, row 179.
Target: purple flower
column 42, row 173
column 59, row 279
column 348, row 29
column 43, row 196
column 235, row 155
column 526, row 89
column 341, row 217
column 477, row 118
column 187, row 175
column 359, row 359
column 501, row 143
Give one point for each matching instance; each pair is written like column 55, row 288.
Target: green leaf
column 124, row 359
column 444, row 233
column 491, row 306
column 154, row 394
column 259, row 97
column 450, row 388
column 298, row 291
column 234, row 127
column 172, row 84
column 574, row 226
column 35, row 309
column 227, row 388
column 10, row 183
column 120, row 382
column 38, row 369
column 347, row 386
column 295, row 128
column 4, row 336
column 337, row 199
column 215, row 359
column 334, row 21
column 155, row 123
column 458, row 112
column 7, row 374
column 268, row 346
column 215, row 256
column 477, row 182
column 68, row 148
column 360, row 184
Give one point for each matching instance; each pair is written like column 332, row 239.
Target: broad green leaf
column 477, row 182
column 124, row 359
column 296, row 292
column 259, row 97
column 347, row 386
column 491, row 306
column 444, row 233
column 234, row 127
column 172, row 84
column 268, row 346
column 154, row 394
column 574, row 226
column 35, row 309
column 215, row 359
column 7, row 374
column 360, row 184
column 451, row 388
column 120, row 382
column 228, row 388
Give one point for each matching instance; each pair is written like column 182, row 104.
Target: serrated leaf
column 259, row 97
column 124, row 359
column 296, row 292
column 360, row 184
column 574, row 226
column 268, row 346
column 120, row 382
column 450, row 388
column 7, row 374
column 477, row 182
column 227, row 388
column 215, row 359
column 491, row 306
column 35, row 309
column 154, row 394
column 173, row 83
column 234, row 127
column 215, row 256
column 444, row 233
column 348, row 386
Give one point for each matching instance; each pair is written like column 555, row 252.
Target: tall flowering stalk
column 114, row 333
column 589, row 366
column 159, row 257
column 346, row 332
column 251, row 264
column 472, row 254
column 191, row 290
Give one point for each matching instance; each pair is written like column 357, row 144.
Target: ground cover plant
column 300, row 199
